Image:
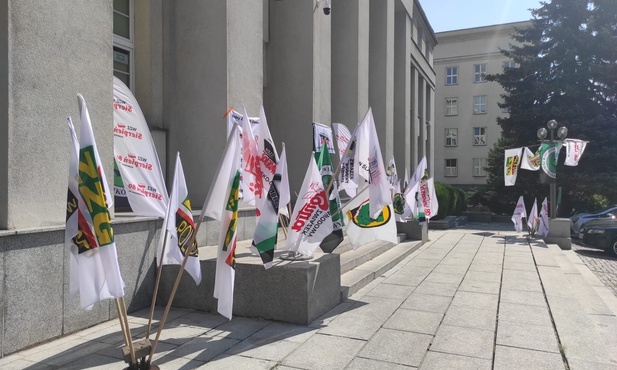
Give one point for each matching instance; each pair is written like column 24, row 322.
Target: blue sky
column 447, row 15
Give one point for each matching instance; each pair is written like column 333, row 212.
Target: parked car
column 601, row 234
column 579, row 219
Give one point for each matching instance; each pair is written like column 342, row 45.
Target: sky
column 448, row 15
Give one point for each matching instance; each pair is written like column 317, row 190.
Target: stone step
column 353, row 258
column 582, row 320
column 358, row 277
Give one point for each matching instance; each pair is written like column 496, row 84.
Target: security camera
column 326, row 8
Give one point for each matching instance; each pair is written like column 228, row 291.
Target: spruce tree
column 566, row 71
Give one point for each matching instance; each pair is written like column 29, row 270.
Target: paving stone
column 525, row 285
column 96, row 361
column 331, row 315
column 170, row 362
column 273, row 350
column 464, row 341
column 484, row 276
column 509, row 265
column 439, row 361
column 439, row 277
column 282, row 331
column 407, row 278
column 520, row 313
column 196, row 319
column 480, row 286
column 204, row 348
column 180, row 334
column 360, row 363
column 240, row 327
column 324, row 352
column 385, row 290
column 427, row 302
column 353, row 325
column 414, row 321
column 576, row 364
column 476, row 300
column 484, row 267
column 534, row 337
column 522, row 297
column 225, row 362
column 471, row 317
column 517, row 358
column 423, row 262
column 397, row 346
column 442, row 289
column 456, row 261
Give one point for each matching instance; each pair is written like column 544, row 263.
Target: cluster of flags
column 250, row 171
column 536, row 224
column 544, row 158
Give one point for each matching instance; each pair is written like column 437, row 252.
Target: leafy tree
column 566, row 71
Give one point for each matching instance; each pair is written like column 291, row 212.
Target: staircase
column 361, row 266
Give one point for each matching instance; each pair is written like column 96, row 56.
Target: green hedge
column 452, row 201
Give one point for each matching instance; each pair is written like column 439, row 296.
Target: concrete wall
column 464, row 49
column 289, row 95
column 43, row 73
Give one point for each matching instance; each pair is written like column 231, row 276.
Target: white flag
column 428, row 198
column 371, row 165
column 362, row 228
column 342, row 137
column 392, row 175
column 252, row 182
column 180, row 227
column 532, row 220
column 267, row 156
column 234, row 116
column 222, row 205
column 322, row 134
column 510, row 165
column 519, row 213
column 95, row 272
column 349, row 168
column 136, row 156
column 401, row 208
column 284, row 192
column 530, row 161
column 574, row 151
column 543, row 221
column 411, row 191
column 311, row 221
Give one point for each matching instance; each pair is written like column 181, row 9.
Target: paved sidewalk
column 468, row 299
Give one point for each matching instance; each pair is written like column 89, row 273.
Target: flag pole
column 159, row 271
column 120, row 305
column 350, row 200
column 189, row 250
column 126, row 338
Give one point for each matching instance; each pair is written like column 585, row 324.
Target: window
column 123, row 41
column 479, row 136
column 479, row 73
column 479, row 104
column 451, row 137
column 451, row 106
column 451, row 168
column 479, row 166
column 451, row 75
column 509, row 64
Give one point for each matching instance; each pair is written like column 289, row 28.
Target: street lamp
column 542, row 133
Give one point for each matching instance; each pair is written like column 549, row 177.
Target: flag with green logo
column 549, row 153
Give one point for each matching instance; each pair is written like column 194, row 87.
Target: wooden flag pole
column 126, row 338
column 282, row 222
column 156, row 285
column 189, row 250
column 122, row 315
column 350, row 200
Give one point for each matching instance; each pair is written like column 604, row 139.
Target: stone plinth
column 559, row 233
column 294, row 292
column 413, row 230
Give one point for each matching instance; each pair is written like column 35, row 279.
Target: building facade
column 186, row 62
column 466, row 107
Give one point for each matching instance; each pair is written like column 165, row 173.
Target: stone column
column 402, row 93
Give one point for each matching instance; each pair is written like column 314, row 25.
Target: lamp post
column 542, row 133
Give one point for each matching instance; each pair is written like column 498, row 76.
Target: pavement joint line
column 550, row 312
column 503, row 258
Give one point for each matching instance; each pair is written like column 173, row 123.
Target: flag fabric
column 530, row 160
column 428, row 198
column 267, row 155
column 322, row 134
column 349, row 171
column 180, row 227
column 141, row 178
column 543, row 219
column 284, row 192
column 235, row 117
column 252, row 182
column 574, row 151
column 324, row 164
column 392, row 175
column 532, row 220
column 371, row 165
column 510, row 166
column 222, row 204
column 401, row 209
column 362, row 228
column 266, row 230
column 95, row 272
column 411, row 191
column 519, row 213
column 342, row 134
column 311, row 221
column 549, row 153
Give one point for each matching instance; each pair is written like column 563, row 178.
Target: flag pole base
column 142, row 350
column 295, row 256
